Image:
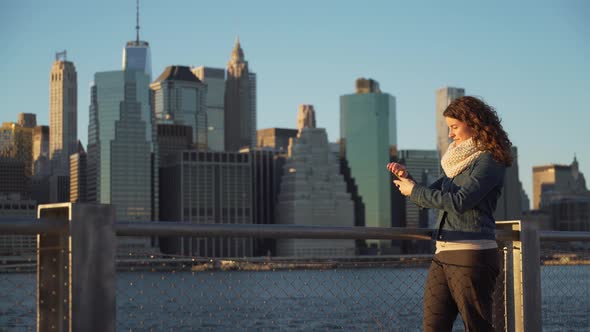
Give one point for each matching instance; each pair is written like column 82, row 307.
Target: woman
column 463, row 272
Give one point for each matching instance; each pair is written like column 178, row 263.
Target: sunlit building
column 313, row 192
column 63, row 113
column 275, row 138
column 16, row 142
column 444, row 96
column 365, row 122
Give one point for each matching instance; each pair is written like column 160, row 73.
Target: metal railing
column 79, row 278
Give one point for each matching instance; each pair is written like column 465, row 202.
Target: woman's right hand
column 398, row 170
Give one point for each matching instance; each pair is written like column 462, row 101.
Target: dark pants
column 460, row 281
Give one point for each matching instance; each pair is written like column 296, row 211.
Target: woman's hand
column 405, row 186
column 398, row 170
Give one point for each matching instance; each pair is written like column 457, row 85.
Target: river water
column 367, row 299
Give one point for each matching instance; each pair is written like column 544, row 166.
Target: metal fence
column 79, row 277
column 565, row 283
column 158, row 293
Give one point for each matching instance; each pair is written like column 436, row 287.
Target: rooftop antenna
column 137, row 20
column 63, row 55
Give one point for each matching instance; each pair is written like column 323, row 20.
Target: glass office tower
column 364, row 130
column 120, row 144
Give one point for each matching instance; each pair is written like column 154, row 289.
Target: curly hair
column 488, row 133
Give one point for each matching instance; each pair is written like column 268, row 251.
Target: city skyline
column 529, row 60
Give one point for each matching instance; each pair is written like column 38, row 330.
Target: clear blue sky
column 529, row 59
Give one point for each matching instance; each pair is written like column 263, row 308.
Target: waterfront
column 335, row 299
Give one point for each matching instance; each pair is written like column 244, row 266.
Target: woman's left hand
column 404, row 185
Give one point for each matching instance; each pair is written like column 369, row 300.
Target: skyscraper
column 313, row 192
column 365, row 136
column 239, row 102
column 180, row 98
column 120, row 144
column 136, row 54
column 444, row 96
column 63, row 113
column 214, row 78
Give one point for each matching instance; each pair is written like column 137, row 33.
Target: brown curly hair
column 488, row 133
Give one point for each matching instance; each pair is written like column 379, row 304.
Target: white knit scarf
column 458, row 157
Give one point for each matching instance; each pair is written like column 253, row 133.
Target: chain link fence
column 565, row 285
column 156, row 292
column 377, row 293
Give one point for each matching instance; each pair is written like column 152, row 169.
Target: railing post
column 504, row 308
column 76, row 270
column 53, row 273
column 522, row 297
column 530, row 263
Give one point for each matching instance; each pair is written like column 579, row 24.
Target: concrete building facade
column 63, row 113
column 313, row 192
column 554, row 178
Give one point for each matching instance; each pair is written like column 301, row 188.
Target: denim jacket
column 466, row 202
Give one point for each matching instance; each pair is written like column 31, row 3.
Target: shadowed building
column 172, row 139
column 239, row 103
column 275, row 138
column 41, row 165
column 27, row 120
column 180, row 98
column 365, row 121
column 214, row 78
column 424, row 166
column 510, row 202
column 13, row 205
column 207, row 188
column 12, row 176
column 267, row 170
